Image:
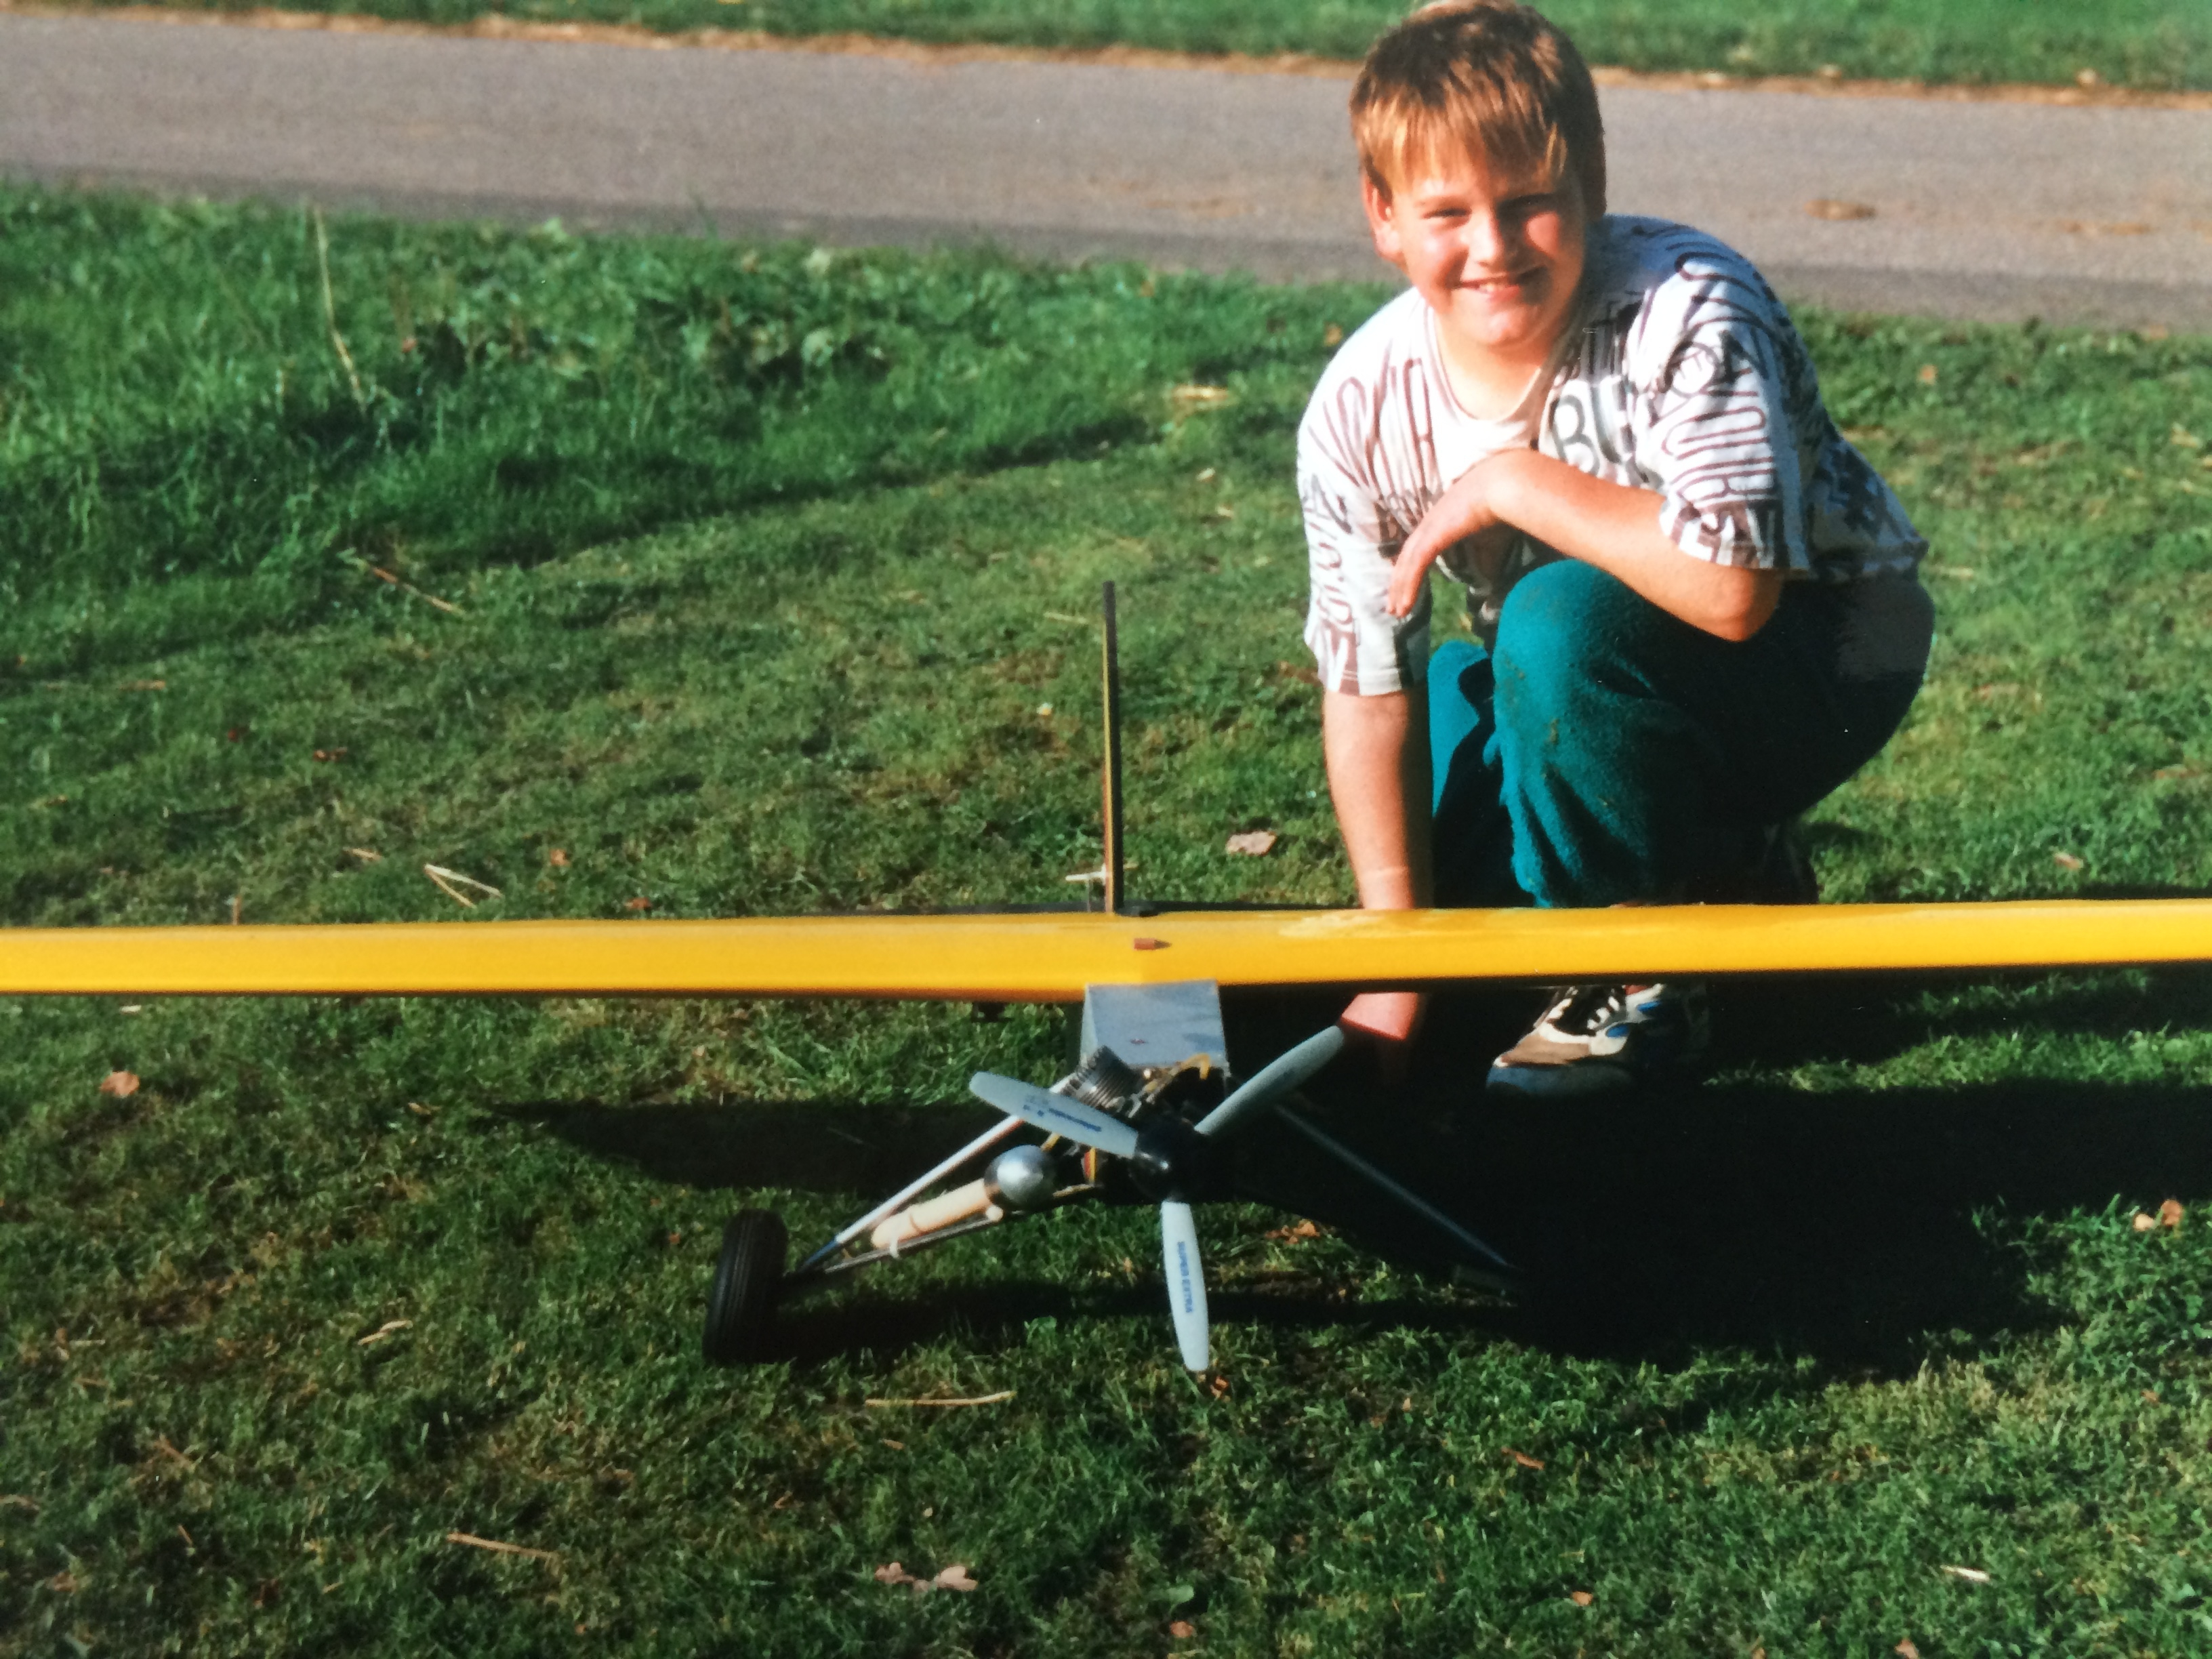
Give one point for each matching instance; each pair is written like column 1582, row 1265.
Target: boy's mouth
column 1503, row 284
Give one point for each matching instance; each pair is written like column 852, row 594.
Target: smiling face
column 1498, row 252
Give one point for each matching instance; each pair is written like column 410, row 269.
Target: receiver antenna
column 1112, row 863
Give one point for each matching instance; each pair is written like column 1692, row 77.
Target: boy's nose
column 1486, row 237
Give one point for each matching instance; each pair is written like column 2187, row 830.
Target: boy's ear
column 1381, row 220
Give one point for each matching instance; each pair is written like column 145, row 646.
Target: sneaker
column 1605, row 1039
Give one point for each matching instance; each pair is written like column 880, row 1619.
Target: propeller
column 1166, row 1158
column 1086, row 1126
column 1186, row 1282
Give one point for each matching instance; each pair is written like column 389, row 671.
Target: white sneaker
column 1605, row 1039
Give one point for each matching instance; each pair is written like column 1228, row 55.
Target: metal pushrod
column 1413, row 1200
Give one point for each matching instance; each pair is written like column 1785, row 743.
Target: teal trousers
column 1604, row 751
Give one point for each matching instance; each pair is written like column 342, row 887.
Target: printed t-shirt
column 1680, row 373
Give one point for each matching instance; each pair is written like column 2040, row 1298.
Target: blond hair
column 1487, row 78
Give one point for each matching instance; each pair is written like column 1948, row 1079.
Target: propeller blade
column 1275, row 1080
column 1186, row 1282
column 1084, row 1125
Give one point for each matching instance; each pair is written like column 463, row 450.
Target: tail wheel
column 741, row 1307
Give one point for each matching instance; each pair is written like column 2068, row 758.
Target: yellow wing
column 1051, row 957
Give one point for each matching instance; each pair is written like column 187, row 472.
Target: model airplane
column 1160, row 1124
column 1150, row 1104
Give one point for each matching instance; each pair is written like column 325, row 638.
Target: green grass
column 748, row 625
column 2156, row 45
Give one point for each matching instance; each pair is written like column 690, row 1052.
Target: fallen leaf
column 1581, row 1598
column 1524, row 1460
column 1253, row 843
column 1972, row 1575
column 1904, row 1649
column 121, row 1085
column 1147, row 945
column 1928, row 374
column 1332, row 335
column 326, row 755
column 387, row 1328
column 1216, row 1385
column 1182, row 1630
column 1200, row 394
column 2145, row 1223
column 558, row 858
column 1827, row 207
column 954, row 1577
column 1302, row 1230
column 638, row 903
column 2150, row 1397
column 2170, row 1213
column 2066, row 860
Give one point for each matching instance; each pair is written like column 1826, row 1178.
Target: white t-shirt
column 1681, row 373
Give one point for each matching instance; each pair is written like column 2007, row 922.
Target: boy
column 1698, row 605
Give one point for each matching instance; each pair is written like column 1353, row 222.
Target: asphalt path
column 1997, row 210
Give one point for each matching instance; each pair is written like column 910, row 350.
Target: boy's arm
column 1376, row 751
column 1613, row 526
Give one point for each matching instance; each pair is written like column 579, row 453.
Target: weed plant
column 2146, row 43
column 733, row 579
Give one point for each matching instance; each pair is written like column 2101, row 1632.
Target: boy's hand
column 1464, row 510
column 1386, row 1020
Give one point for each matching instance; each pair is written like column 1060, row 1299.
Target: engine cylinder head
column 1106, row 1081
column 1022, row 1177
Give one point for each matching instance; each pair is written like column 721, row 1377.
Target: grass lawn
column 2153, row 45
column 757, row 580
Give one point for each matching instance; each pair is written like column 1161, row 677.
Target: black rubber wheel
column 741, row 1307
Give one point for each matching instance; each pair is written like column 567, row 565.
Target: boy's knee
column 1551, row 636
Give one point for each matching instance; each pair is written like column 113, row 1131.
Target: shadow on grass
column 1856, row 1228
column 878, row 1316
column 814, row 1146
